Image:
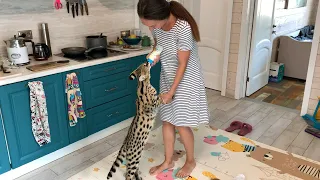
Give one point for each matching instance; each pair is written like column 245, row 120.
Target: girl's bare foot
column 158, row 169
column 187, row 169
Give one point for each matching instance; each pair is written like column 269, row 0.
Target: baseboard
column 22, row 170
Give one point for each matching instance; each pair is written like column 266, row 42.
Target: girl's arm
column 154, row 38
column 156, row 60
column 183, row 58
column 155, row 43
column 185, row 40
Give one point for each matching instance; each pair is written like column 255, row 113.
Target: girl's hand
column 155, row 61
column 166, row 98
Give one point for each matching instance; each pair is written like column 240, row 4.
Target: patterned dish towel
column 39, row 113
column 75, row 107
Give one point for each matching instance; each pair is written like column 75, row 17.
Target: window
column 295, row 3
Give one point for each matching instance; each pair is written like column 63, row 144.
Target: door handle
column 110, row 69
column 111, row 89
column 113, row 114
column 4, row 132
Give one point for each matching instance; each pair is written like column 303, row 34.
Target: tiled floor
column 287, row 93
column 273, row 125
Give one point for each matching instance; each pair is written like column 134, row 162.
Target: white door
column 261, row 46
column 212, row 19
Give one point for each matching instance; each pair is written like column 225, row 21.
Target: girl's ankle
column 190, row 161
column 167, row 162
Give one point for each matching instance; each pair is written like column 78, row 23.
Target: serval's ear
column 132, row 76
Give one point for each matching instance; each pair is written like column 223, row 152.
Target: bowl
column 132, row 41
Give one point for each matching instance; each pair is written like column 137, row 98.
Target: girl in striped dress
column 177, row 32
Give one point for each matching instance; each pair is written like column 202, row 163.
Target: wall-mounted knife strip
column 75, row 5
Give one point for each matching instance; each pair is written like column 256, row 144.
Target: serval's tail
column 120, row 158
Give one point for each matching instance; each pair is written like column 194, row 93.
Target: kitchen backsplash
column 105, row 16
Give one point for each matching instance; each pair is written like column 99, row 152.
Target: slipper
column 234, row 126
column 245, row 129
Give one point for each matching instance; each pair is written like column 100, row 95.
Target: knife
column 86, row 6
column 68, row 9
column 72, row 9
column 81, row 6
column 77, row 8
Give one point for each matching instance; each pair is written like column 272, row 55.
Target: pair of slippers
column 244, row 128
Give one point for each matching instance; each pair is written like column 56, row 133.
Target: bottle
column 155, row 53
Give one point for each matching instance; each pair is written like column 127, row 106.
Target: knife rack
column 75, row 5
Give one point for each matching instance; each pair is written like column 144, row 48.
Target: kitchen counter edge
column 23, row 74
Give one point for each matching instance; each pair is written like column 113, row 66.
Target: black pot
column 96, row 41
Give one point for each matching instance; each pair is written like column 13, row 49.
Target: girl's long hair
column 161, row 9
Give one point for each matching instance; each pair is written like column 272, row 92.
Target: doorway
column 280, row 46
column 213, row 48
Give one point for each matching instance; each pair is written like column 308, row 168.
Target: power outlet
column 27, row 34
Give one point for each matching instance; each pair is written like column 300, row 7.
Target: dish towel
column 75, row 106
column 39, row 113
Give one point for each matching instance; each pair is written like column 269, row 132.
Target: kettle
column 41, row 52
column 17, row 51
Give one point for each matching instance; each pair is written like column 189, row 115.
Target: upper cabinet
column 15, row 100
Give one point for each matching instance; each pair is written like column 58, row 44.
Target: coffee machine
column 17, row 50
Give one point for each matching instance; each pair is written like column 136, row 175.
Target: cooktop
column 93, row 55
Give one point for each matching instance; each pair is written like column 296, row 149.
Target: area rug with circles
column 219, row 155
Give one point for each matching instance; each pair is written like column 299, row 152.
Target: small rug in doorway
column 218, row 154
column 287, row 93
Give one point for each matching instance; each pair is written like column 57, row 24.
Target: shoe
column 234, row 126
column 245, row 129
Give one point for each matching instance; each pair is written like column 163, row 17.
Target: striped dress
column 189, row 107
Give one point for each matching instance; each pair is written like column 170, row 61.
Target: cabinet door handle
column 110, row 69
column 113, row 114
column 4, row 131
column 111, row 89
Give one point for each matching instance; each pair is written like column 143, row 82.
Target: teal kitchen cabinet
column 108, row 114
column 79, row 131
column 155, row 76
column 106, row 89
column 106, row 69
column 15, row 101
column 4, row 158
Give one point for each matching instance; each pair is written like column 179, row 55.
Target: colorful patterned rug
column 220, row 155
column 287, row 93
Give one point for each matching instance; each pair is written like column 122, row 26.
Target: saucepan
column 79, row 51
column 96, row 41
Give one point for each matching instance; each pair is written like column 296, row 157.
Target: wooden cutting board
column 46, row 66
